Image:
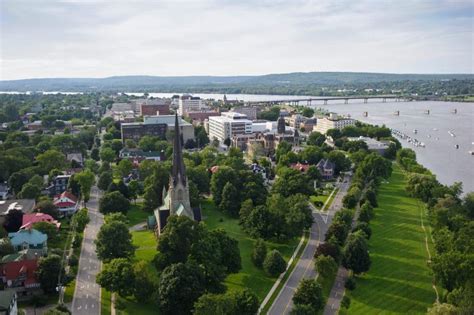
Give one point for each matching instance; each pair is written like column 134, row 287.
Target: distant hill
column 225, row 84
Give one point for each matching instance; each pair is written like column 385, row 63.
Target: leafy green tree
column 48, row 270
column 245, row 210
column 326, row 265
column 230, row 202
column 80, row 219
column 246, row 302
column 6, row 247
column 356, row 254
column 107, row 155
column 200, row 176
column 30, row 191
column 86, row 180
column 339, row 159
column 274, row 264
column 117, row 276
column 219, row 179
column 364, row 227
column 260, row 223
column 216, row 304
column 133, row 189
column 125, row 167
column 311, row 155
column 114, row 241
column 116, row 216
column 329, row 248
column 151, row 199
column 309, row 292
column 443, row 309
column 113, row 202
column 291, row 182
column 147, row 143
column 366, row 212
column 282, row 149
column 51, row 159
column 105, row 179
column 180, row 286
column 307, row 112
column 48, row 229
column 452, row 269
column 144, row 284
column 229, row 249
column 259, row 253
column 176, row 240
column 303, row 309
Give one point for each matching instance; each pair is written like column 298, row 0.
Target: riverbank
column 399, row 280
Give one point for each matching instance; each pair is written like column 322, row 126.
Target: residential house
column 8, row 305
column 24, row 205
column 29, row 239
column 76, row 157
column 58, row 185
column 300, row 167
column 326, row 168
column 138, row 155
column 67, row 203
column 18, row 271
column 31, row 218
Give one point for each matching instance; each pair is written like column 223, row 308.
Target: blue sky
column 49, row 38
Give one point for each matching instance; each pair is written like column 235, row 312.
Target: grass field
column 249, row 276
column 136, row 215
column 399, row 280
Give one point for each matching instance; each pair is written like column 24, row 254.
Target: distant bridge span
column 310, row 100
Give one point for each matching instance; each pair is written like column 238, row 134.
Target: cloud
column 105, row 38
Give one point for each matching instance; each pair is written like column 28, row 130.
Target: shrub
column 346, row 301
column 350, row 283
column 274, row 263
column 259, row 253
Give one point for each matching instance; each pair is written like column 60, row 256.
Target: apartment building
column 333, row 122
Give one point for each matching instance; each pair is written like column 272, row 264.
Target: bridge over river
column 313, row 101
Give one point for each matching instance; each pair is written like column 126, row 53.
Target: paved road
column 304, row 268
column 87, row 294
column 337, row 292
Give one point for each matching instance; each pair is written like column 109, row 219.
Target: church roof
column 178, row 171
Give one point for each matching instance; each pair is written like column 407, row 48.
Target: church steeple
column 178, row 172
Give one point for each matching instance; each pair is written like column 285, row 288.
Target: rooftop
column 25, row 205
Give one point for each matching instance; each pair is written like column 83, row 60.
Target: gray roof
column 25, row 205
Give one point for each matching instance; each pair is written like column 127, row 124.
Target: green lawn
column 136, row 215
column 399, row 280
column 249, row 276
column 105, row 302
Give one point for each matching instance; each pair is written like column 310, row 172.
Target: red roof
column 68, row 195
column 300, row 167
column 13, row 269
column 30, row 218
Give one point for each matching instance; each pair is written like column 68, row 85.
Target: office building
column 188, row 103
column 228, row 125
column 156, row 126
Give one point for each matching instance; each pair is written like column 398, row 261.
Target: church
column 176, row 199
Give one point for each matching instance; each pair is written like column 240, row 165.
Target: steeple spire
column 179, row 171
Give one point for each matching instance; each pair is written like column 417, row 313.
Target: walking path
column 86, row 299
column 304, row 268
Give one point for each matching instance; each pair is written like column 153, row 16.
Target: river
column 440, row 154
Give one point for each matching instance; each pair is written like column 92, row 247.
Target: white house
column 67, row 203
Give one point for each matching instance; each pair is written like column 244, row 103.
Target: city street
column 87, row 294
column 304, row 268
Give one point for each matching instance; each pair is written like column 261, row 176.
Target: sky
column 94, row 38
